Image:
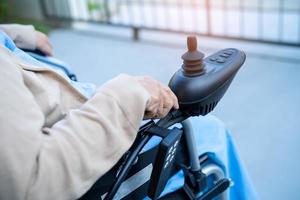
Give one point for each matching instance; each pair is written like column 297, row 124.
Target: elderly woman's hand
column 43, row 43
column 162, row 99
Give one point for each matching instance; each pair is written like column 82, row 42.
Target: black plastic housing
column 163, row 164
column 199, row 94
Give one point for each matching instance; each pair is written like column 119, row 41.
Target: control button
column 224, row 55
column 170, row 150
column 174, row 150
column 172, row 158
column 212, row 59
column 166, row 165
column 220, row 60
column 229, row 52
column 168, row 157
column 176, row 143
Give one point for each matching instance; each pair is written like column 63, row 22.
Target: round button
column 224, row 55
column 168, row 157
column 229, row 52
column 220, row 60
column 174, row 150
column 166, row 165
column 171, row 149
column 172, row 158
column 176, row 143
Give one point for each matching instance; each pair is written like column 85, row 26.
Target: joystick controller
column 201, row 82
column 193, row 59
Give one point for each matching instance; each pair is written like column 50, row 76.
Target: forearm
column 85, row 145
column 63, row 161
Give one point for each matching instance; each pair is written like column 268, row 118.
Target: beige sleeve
column 62, row 162
column 22, row 35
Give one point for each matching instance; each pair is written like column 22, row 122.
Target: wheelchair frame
column 196, row 175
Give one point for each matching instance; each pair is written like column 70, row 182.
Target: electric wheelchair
column 163, row 150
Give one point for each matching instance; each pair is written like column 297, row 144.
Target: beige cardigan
column 54, row 143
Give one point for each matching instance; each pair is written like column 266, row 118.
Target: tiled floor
column 261, row 108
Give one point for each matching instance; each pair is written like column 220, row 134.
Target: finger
column 46, row 50
column 49, row 48
column 153, row 109
column 149, row 115
column 173, row 97
column 167, row 104
column 156, row 95
column 168, row 100
column 49, row 43
column 161, row 98
column 171, row 94
column 43, row 43
column 160, row 110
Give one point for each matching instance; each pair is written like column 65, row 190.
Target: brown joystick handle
column 193, row 59
column 192, row 43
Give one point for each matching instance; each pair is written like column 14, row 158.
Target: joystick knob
column 193, row 59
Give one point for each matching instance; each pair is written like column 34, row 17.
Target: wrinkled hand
column 162, row 99
column 43, row 43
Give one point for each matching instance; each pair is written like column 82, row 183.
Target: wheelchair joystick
column 193, row 59
column 201, row 82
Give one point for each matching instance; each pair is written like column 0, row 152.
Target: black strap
column 159, row 131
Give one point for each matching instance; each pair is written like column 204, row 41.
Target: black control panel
column 164, row 162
